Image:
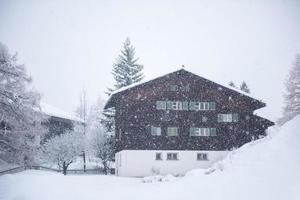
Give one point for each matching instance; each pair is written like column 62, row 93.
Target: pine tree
column 244, row 87
column 231, row 83
column 292, row 94
column 126, row 71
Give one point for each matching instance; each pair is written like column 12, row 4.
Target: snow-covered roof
column 217, row 82
column 56, row 112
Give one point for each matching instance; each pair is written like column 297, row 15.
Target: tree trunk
column 105, row 168
column 84, row 162
column 65, row 167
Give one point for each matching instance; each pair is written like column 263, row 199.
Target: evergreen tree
column 126, row 71
column 244, row 87
column 231, row 83
column 292, row 94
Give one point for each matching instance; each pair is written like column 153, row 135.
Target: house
column 58, row 121
column 55, row 121
column 180, row 121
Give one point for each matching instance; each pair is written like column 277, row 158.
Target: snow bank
column 267, row 169
column 280, row 150
column 158, row 178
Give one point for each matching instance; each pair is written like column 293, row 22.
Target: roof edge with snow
column 146, row 81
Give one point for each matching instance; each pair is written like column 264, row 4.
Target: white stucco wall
column 140, row 163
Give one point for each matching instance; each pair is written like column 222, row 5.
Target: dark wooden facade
column 136, row 112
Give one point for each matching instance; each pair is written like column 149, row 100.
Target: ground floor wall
column 141, row 163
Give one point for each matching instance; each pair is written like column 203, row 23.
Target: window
column 202, row 156
column 172, row 156
column 158, row 156
column 155, row 131
column 176, row 105
column 212, row 106
column 172, row 131
column 202, row 106
column 184, row 88
column 228, row 117
column 173, row 88
column 203, row 131
column 161, row 105
column 185, row 105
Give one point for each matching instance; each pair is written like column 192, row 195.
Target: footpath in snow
column 267, row 169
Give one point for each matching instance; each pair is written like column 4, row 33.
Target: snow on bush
column 64, row 149
column 158, row 178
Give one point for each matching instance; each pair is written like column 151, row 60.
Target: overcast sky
column 68, row 45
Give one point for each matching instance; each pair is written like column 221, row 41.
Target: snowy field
column 268, row 169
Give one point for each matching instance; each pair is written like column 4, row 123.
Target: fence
column 70, row 171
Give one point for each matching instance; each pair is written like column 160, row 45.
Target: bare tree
column 103, row 147
column 20, row 119
column 292, row 94
column 82, row 113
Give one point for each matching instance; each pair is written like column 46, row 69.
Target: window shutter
column 173, row 88
column 235, row 117
column 212, row 106
column 220, row 117
column 192, row 105
column 160, row 105
column 156, row 131
column 213, row 132
column 185, row 105
column 157, row 105
column 169, row 105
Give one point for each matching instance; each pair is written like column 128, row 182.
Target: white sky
column 68, row 45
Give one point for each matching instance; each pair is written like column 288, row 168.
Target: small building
column 181, row 121
column 58, row 121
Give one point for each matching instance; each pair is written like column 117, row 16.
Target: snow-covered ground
column 268, row 169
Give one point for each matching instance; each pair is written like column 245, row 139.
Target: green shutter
column 185, row 105
column 155, row 131
column 212, row 106
column 220, row 117
column 235, row 117
column 169, row 105
column 160, row 105
column 192, row 105
column 213, row 132
column 172, row 131
column 173, row 88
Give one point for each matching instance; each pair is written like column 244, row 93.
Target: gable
column 199, row 86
